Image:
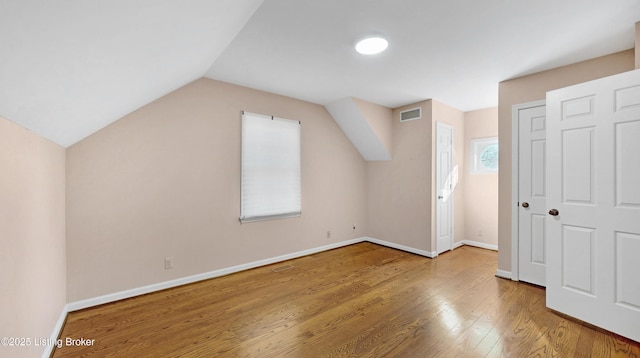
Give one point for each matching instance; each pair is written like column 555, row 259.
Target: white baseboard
column 48, row 349
column 457, row 244
column 401, row 247
column 481, row 245
column 116, row 296
column 95, row 301
column 503, row 274
column 112, row 297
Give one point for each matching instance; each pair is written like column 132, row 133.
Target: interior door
column 593, row 181
column 532, row 194
column 445, row 181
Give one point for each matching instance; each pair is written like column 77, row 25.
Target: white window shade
column 270, row 187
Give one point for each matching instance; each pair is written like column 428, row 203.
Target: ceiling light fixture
column 371, row 45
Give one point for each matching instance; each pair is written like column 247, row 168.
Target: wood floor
column 362, row 300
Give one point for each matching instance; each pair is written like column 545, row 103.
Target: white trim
column 515, row 179
column 112, row 297
column 57, row 329
column 476, row 146
column 481, row 245
column 457, row 244
column 504, row 274
column 90, row 302
column 401, row 247
column 116, row 296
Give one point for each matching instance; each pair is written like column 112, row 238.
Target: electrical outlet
column 328, row 234
column 168, row 263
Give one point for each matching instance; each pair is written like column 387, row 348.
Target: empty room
column 296, row 178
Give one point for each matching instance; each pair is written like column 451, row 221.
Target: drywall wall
column 532, row 88
column 379, row 119
column 455, row 118
column 481, row 190
column 358, row 128
column 32, row 236
column 400, row 203
column 164, row 181
column 399, row 190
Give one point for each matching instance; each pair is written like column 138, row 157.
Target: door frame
column 515, row 181
column 451, row 198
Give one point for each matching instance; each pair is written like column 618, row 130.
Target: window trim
column 476, row 147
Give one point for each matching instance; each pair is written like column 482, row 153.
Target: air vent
column 410, row 114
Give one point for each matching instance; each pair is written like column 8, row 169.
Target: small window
column 270, row 178
column 484, row 155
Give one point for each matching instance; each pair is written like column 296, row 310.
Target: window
column 270, row 187
column 484, row 155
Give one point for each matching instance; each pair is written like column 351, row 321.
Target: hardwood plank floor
column 363, row 300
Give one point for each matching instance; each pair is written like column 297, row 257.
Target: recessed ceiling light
column 371, row 45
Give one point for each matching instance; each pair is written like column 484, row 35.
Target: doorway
column 529, row 215
column 446, row 179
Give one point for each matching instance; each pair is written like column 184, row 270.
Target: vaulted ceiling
column 70, row 67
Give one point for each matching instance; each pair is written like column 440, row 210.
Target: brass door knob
column 554, row 212
column 525, row 205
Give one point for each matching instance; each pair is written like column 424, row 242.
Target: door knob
column 554, row 212
column 525, row 205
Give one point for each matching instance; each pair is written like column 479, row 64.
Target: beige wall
column 455, row 118
column 32, row 236
column 164, row 181
column 531, row 88
column 481, row 190
column 399, row 190
column 400, row 207
column 379, row 119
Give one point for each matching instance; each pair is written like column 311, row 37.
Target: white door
column 532, row 214
column 593, row 182
column 446, row 178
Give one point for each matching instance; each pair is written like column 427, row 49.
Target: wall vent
column 411, row 114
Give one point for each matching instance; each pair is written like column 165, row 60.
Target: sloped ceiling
column 358, row 129
column 70, row 67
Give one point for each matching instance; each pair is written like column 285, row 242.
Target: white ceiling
column 70, row 67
